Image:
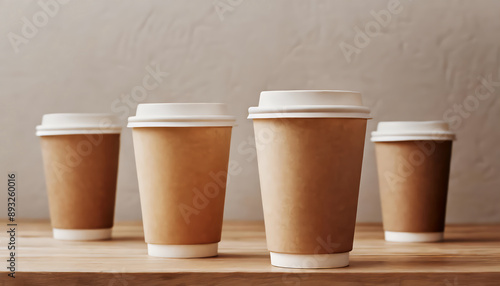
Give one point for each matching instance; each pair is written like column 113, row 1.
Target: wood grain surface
column 470, row 255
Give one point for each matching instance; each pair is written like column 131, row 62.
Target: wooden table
column 470, row 256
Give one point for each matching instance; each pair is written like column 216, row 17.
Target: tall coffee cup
column 182, row 153
column 413, row 162
column 310, row 151
column 80, row 155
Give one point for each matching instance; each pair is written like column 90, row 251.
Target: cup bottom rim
column 183, row 250
column 287, row 260
column 398, row 236
column 82, row 234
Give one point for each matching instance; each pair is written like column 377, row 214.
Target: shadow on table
column 242, row 255
column 127, row 238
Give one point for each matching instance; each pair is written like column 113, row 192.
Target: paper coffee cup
column 182, row 153
column 413, row 161
column 310, row 150
column 80, row 154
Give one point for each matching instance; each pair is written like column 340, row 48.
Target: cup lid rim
column 309, row 104
column 412, row 130
column 181, row 114
column 78, row 123
column 312, row 91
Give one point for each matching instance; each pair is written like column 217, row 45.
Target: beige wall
column 88, row 56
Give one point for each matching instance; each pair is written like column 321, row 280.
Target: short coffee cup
column 182, row 153
column 413, row 162
column 80, row 154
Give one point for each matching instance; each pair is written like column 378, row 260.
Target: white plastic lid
column 78, row 123
column 309, row 104
column 412, row 130
column 181, row 115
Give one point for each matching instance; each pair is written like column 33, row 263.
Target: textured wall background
column 422, row 60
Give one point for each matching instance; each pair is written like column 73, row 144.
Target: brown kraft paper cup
column 413, row 179
column 182, row 174
column 81, row 173
column 310, row 173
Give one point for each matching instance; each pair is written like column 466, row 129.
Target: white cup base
column 82, row 234
column 334, row 260
column 413, row 236
column 183, row 251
